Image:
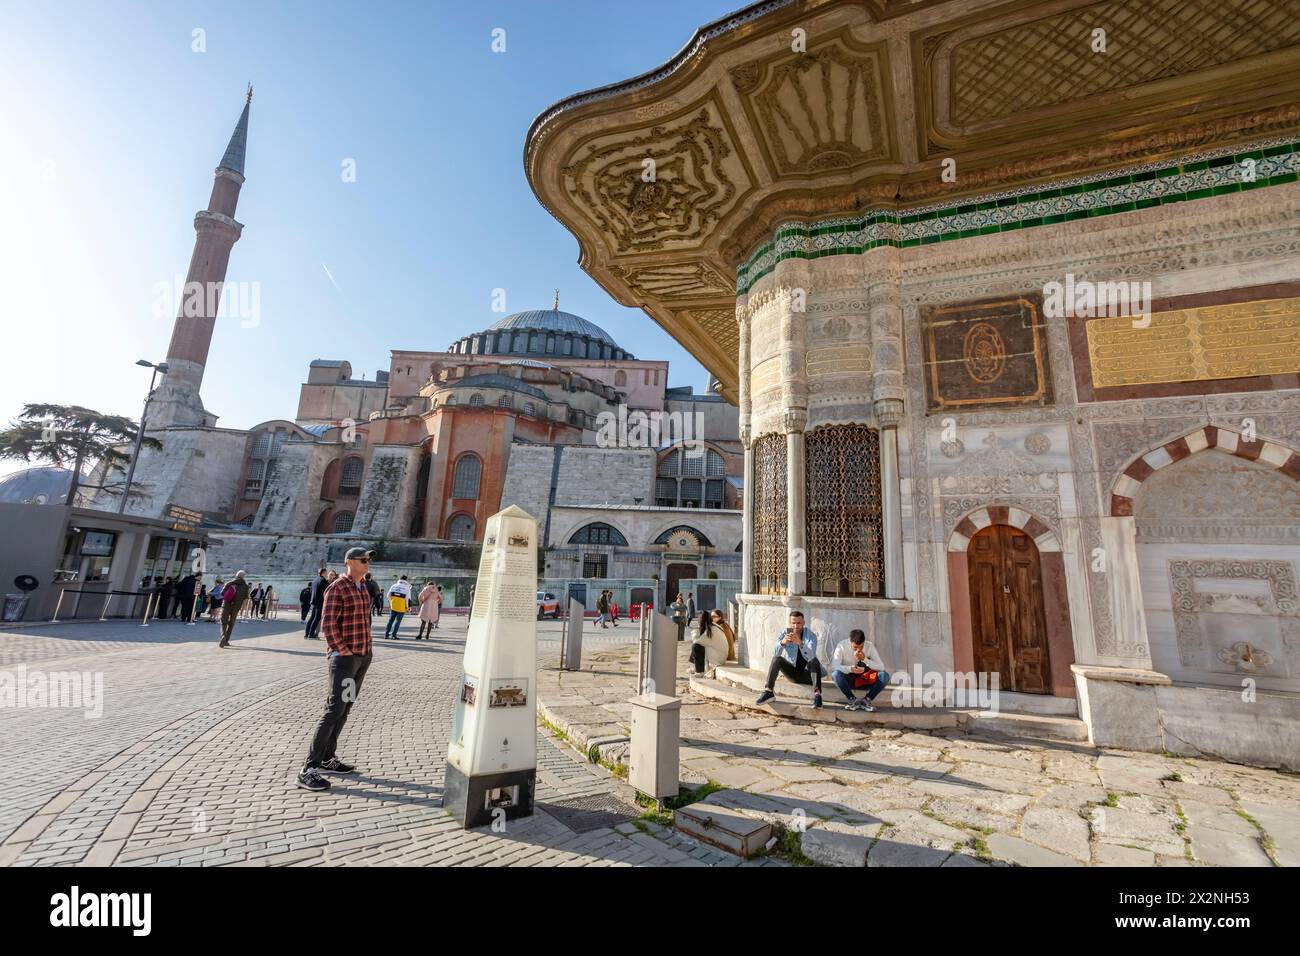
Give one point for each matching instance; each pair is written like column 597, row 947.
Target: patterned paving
column 193, row 757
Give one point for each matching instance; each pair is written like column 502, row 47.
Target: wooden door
column 1008, row 624
column 676, row 574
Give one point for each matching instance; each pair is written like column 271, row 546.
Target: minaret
column 176, row 401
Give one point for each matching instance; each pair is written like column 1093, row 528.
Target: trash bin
column 15, row 607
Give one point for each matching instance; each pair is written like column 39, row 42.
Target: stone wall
column 528, row 479
column 291, row 500
column 386, row 497
column 197, row 468
column 608, row 476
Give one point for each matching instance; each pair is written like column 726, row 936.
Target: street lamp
column 139, row 435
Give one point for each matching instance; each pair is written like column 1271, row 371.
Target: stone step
column 738, row 690
column 901, row 718
column 1008, row 701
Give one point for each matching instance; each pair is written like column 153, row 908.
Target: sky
column 114, row 115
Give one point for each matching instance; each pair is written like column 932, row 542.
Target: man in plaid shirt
column 345, row 622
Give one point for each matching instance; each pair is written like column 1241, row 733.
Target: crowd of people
column 428, row 604
column 188, row 598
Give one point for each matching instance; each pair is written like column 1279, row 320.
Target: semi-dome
column 36, row 486
column 545, row 334
column 552, row 321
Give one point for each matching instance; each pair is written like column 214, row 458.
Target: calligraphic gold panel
column 1202, row 344
column 840, row 358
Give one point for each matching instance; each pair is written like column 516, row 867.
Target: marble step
column 729, row 689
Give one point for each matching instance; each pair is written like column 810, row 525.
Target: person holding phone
column 796, row 658
column 857, row 666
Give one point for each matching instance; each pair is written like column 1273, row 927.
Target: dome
column 552, row 320
column 543, row 334
column 36, row 486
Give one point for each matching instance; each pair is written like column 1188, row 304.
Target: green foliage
column 713, row 575
column 72, row 436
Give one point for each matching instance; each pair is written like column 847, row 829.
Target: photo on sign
column 519, row 541
column 510, row 692
column 469, row 690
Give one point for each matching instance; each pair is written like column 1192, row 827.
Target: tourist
column 720, row 620
column 678, row 609
column 376, row 595
column 318, row 587
column 167, row 596
column 185, row 597
column 214, row 599
column 613, row 609
column 857, row 666
column 690, row 605
column 254, row 608
column 429, row 609
column 201, row 601
column 270, row 604
column 602, row 609
column 304, row 600
column 232, row 601
column 795, row 657
column 709, row 649
column 345, row 620
column 399, row 595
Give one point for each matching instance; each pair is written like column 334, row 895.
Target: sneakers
column 868, row 706
column 310, row 779
column 817, row 701
column 764, row 697
column 335, row 765
column 853, row 704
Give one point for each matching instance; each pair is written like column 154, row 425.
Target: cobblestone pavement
column 889, row 797
column 192, row 760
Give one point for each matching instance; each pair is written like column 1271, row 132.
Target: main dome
column 552, row 320
column 543, row 334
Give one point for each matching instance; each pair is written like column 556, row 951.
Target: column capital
column 889, row 412
column 794, row 420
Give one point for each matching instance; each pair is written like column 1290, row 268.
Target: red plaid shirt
column 345, row 618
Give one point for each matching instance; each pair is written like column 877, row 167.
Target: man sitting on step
column 795, row 657
column 857, row 666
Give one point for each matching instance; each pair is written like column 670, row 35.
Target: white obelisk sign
column 492, row 754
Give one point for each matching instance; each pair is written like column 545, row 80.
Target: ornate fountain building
column 1017, row 357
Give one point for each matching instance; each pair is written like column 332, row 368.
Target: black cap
column 358, row 553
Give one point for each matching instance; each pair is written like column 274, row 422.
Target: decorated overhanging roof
column 798, row 111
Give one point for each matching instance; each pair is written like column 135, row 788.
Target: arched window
column 469, row 468
column 530, row 408
column 451, row 400
column 460, row 528
column 620, row 378
column 683, row 536
column 261, row 445
column 343, row 522
column 550, row 344
column 669, row 465
column 350, row 476
column 598, row 533
column 535, row 342
column 476, row 400
column 505, row 401
column 716, row 466
column 566, row 345
column 247, row 520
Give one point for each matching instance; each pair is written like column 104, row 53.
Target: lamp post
column 139, row 435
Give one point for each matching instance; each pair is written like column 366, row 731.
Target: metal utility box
column 662, row 664
column 724, row 828
column 656, row 738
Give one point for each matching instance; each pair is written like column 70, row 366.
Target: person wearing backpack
column 232, row 599
column 399, row 595
column 304, row 600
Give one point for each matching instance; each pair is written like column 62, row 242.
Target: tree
column 60, row 434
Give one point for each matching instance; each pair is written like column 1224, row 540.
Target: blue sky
column 113, row 125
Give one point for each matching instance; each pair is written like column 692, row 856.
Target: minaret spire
column 176, row 401
column 556, row 306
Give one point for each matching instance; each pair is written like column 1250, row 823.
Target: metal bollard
column 571, row 639
column 58, row 604
column 149, row 605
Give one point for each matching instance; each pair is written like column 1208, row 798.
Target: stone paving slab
column 946, row 798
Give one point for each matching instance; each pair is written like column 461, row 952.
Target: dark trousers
column 228, row 614
column 187, row 607
column 697, row 657
column 805, row 672
column 313, row 620
column 346, row 674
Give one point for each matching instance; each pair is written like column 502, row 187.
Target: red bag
column 867, row 679
column 228, row 594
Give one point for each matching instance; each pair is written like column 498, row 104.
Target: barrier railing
column 108, row 596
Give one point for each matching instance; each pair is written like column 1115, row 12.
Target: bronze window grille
column 769, row 520
column 843, row 533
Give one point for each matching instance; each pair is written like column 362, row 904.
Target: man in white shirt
column 852, row 665
column 402, row 589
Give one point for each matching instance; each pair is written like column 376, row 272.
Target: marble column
column 747, row 518
column 796, row 547
column 888, row 414
column 888, row 391
column 792, row 299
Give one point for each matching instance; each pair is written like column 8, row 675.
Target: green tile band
column 1140, row 188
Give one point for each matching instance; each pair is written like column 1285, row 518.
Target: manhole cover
column 582, row 814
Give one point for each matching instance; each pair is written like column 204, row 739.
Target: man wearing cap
column 345, row 622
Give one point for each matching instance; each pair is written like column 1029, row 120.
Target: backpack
column 228, row 594
column 304, row 596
